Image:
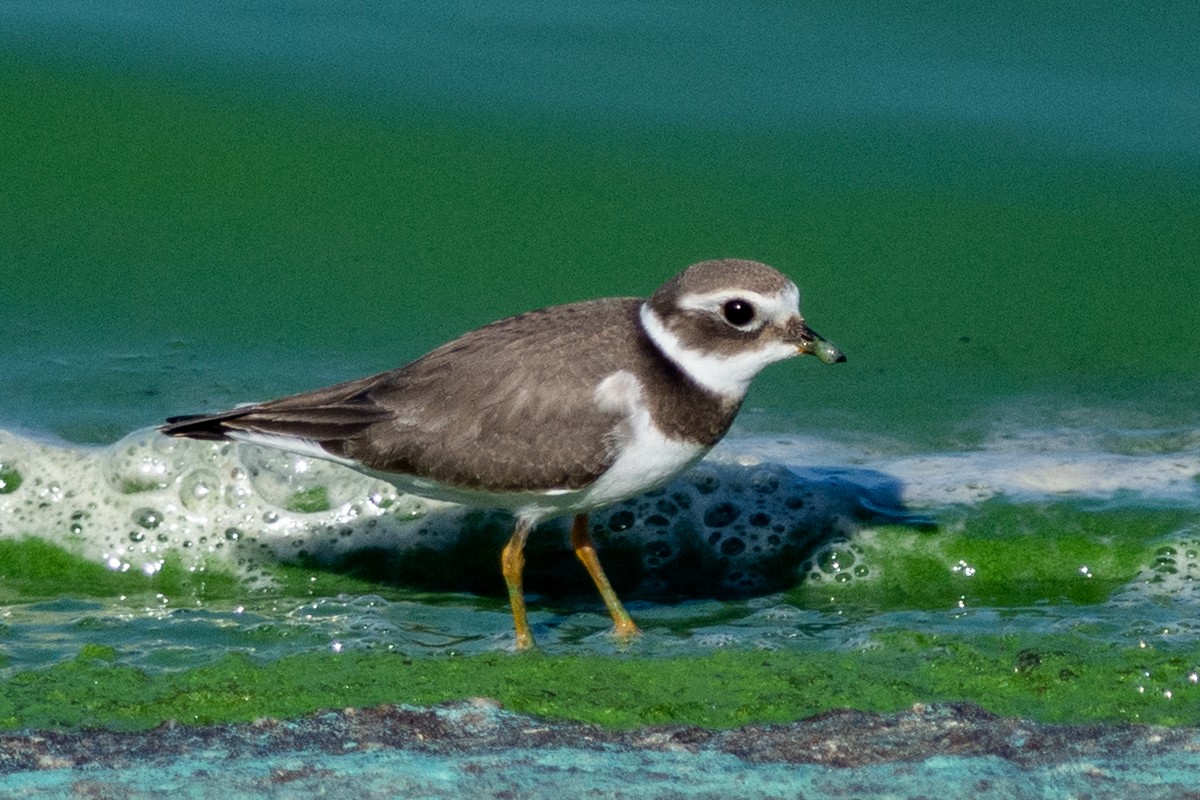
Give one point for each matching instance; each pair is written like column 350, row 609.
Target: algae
column 309, row 501
column 33, row 569
column 10, row 479
column 1049, row 676
column 1048, row 679
column 998, row 554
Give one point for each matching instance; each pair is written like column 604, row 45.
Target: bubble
column 660, row 549
column 308, row 501
column 134, row 465
column 406, row 508
column 1164, row 560
column 621, row 521
column 238, row 496
column 834, row 561
column 299, row 484
column 53, row 492
column 721, row 515
column 148, row 518
column 200, row 490
column 733, row 546
column 968, row 571
column 719, row 525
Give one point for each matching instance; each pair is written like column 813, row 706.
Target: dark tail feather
column 326, row 424
column 210, row 427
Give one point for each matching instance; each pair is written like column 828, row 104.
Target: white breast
column 645, row 457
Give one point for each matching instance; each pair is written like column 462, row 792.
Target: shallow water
column 994, row 213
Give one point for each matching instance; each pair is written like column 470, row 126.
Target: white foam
column 1030, row 467
column 135, row 502
column 131, row 504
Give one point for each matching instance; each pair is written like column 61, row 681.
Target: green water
column 169, row 244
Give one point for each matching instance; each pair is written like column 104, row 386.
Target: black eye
column 738, row 312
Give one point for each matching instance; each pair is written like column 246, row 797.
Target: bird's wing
column 508, row 407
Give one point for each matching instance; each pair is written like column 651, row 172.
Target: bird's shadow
column 720, row 531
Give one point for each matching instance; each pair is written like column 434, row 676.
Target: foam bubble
column 743, row 522
column 722, row 527
column 1172, row 573
column 296, row 483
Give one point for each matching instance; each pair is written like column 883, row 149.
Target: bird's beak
column 809, row 342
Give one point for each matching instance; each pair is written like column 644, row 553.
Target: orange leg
column 581, row 540
column 512, row 563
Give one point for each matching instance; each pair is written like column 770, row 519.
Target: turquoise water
column 994, row 211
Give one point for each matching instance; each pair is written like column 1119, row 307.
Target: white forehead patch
column 728, row 376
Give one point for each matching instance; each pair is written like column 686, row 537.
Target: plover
column 553, row 412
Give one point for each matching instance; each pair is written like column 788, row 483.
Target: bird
column 553, row 412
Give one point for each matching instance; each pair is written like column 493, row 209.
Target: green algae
column 308, row 501
column 10, row 479
column 32, row 569
column 1051, row 679
column 1019, row 555
column 997, row 554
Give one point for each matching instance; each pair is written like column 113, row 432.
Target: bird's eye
column 738, row 313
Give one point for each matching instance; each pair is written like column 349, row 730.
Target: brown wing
column 507, row 407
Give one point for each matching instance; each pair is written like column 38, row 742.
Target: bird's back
column 503, row 408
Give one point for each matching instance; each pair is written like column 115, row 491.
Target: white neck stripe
column 725, row 376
